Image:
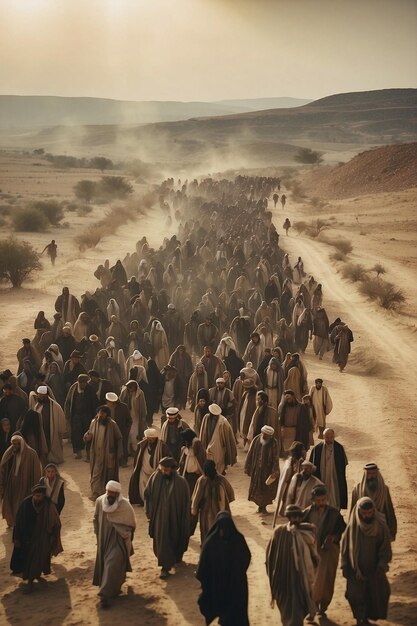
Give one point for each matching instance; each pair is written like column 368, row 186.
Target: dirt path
column 371, row 416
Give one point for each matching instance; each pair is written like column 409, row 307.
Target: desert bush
column 366, row 364
column 353, row 272
column 308, row 156
column 51, row 209
column 311, row 229
column 85, row 190
column 17, row 261
column 385, row 293
column 300, row 226
column 101, row 163
column 338, row 256
column 378, row 269
column 114, row 187
column 64, row 161
column 89, row 238
column 342, row 245
column 29, row 219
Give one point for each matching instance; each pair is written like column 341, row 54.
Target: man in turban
column 302, row 484
column 167, row 507
column 218, row 439
column 262, row 465
column 149, row 452
column 114, row 526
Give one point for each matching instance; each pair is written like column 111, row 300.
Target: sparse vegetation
column 308, row 156
column 108, row 188
column 30, row 219
column 338, row 256
column 385, row 293
column 379, row 269
column 85, row 190
column 341, row 245
column 114, row 187
column 52, row 210
column 64, row 161
column 354, row 272
column 108, row 225
column 18, row 260
column 311, row 229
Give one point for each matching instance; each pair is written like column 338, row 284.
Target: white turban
column 113, row 485
column 308, row 464
column 172, row 410
column 112, row 397
column 43, row 389
column 268, row 430
column 151, row 432
column 220, row 380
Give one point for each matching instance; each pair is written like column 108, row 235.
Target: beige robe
column 209, row 498
column 114, row 533
column 322, row 403
column 18, row 474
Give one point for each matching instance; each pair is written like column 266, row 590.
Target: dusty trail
column 364, row 417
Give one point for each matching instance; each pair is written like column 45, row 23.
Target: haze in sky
column 206, row 49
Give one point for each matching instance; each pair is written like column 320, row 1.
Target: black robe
column 222, row 573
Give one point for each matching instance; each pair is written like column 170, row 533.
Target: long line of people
column 216, row 321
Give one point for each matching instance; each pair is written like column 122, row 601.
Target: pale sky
column 206, row 49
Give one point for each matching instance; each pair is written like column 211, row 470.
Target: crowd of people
column 214, row 325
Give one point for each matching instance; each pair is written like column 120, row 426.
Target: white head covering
column 214, row 409
column 136, row 355
column 308, row 464
column 43, row 389
column 268, row 430
column 220, row 380
column 151, row 432
column 112, row 397
column 172, row 410
column 113, row 485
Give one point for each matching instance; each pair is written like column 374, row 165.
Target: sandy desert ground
column 374, row 417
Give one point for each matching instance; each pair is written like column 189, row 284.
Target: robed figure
column 167, row 506
column 224, row 560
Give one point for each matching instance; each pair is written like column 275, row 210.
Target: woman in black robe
column 224, row 560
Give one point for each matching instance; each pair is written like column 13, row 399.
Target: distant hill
column 33, row 111
column 343, row 122
column 388, row 168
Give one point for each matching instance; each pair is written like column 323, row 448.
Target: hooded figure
column 159, row 343
column 224, row 560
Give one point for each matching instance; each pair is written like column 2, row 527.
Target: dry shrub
column 89, row 238
column 312, row 229
column 300, row 226
column 354, row 272
column 52, row 210
column 29, row 219
column 342, row 245
column 338, row 256
column 366, row 364
column 115, row 217
column 385, row 293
